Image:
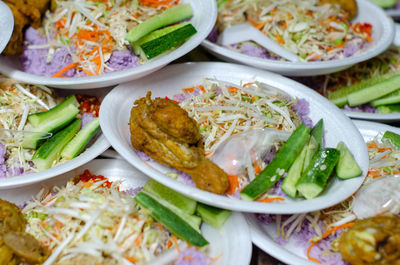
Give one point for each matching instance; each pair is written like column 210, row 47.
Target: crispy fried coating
column 164, row 131
column 372, row 241
column 26, row 13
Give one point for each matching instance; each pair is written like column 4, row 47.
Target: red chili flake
column 88, row 104
column 87, row 176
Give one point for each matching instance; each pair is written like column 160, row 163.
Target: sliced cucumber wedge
column 347, row 166
column 213, row 216
column 49, row 152
column 81, row 139
column 394, row 138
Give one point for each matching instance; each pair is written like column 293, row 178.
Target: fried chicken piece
column 164, row 131
column 26, row 13
column 372, row 241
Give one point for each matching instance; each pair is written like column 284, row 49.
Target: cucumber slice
column 394, row 138
column 384, row 3
column 81, row 139
column 312, row 148
column 388, row 108
column 392, row 98
column 213, row 216
column 347, row 166
column 170, row 196
column 375, row 91
column 55, row 123
column 49, row 152
column 313, row 180
column 318, row 133
column 339, row 96
column 37, row 118
column 176, row 202
column 279, row 165
column 289, row 182
column 162, row 40
column 170, row 220
column 168, row 17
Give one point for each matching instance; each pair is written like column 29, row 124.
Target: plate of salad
column 179, row 137
column 108, row 212
column 315, row 237
column 367, row 90
column 339, row 38
column 86, row 44
column 7, row 25
column 44, row 133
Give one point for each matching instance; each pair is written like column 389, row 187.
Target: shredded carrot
column 369, row 39
column 188, row 258
column 324, row 235
column 216, row 258
column 188, row 90
column 176, row 243
column 65, row 69
column 272, row 199
column 372, row 144
column 233, row 184
column 138, row 240
column 257, row 168
column 233, row 89
column 279, row 38
column 248, row 84
column 131, row 259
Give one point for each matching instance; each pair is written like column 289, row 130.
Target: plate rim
column 207, row 197
column 262, row 240
column 112, row 78
column 5, row 10
column 382, row 44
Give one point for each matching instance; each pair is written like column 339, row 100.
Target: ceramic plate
column 6, row 25
column 205, row 13
column 263, row 235
column 98, row 147
column 232, row 240
column 115, row 112
column 383, row 33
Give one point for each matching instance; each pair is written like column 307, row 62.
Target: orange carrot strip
column 233, row 184
column 248, row 84
column 65, row 69
column 188, row 258
column 131, row 259
column 324, row 235
column 176, row 243
column 233, row 89
column 272, row 199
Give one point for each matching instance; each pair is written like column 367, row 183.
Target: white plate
column 232, row 240
column 115, row 112
column 205, row 14
column 6, row 25
column 99, row 146
column 383, row 33
column 290, row 253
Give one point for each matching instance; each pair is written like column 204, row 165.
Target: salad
column 32, row 119
column 253, row 132
column 318, row 233
column 87, row 38
column 313, row 30
column 365, row 76
column 91, row 220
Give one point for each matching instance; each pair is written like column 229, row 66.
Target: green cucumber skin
column 312, row 148
column 339, row 96
column 168, row 17
column 50, row 151
column 174, row 198
column 170, row 40
column 170, row 220
column 347, row 166
column 51, row 126
column 394, row 138
column 213, row 216
column 315, row 175
column 283, row 160
column 373, row 92
column 318, row 133
column 384, row 3
column 392, row 98
column 37, row 118
column 289, row 182
column 81, row 139
column 384, row 109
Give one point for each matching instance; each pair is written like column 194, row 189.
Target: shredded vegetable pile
column 319, row 230
column 17, row 101
column 223, row 109
column 91, row 219
column 91, row 32
column 311, row 29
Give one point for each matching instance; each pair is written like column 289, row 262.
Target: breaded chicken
column 164, row 131
column 26, row 13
